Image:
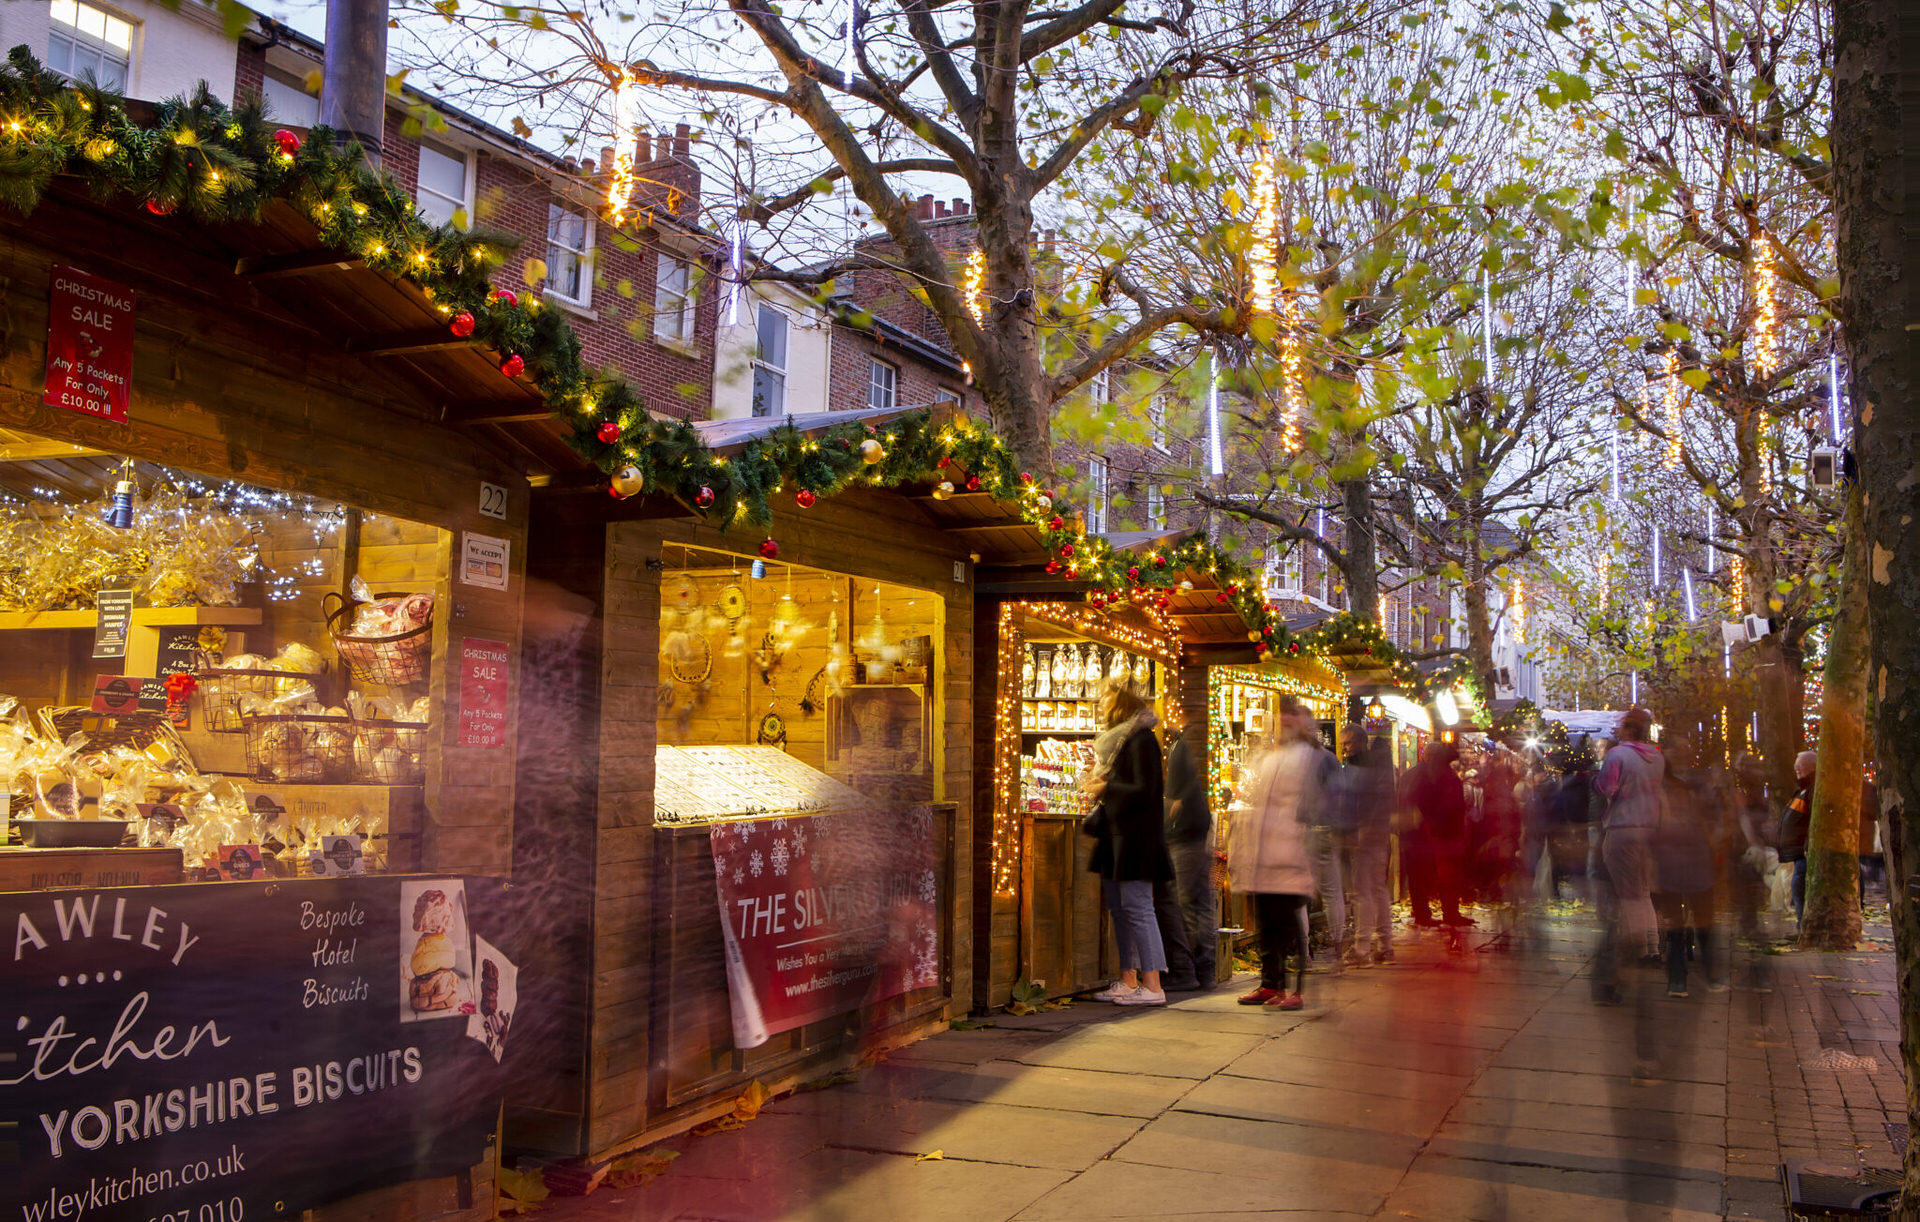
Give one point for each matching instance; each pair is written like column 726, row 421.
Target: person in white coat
column 1267, row 851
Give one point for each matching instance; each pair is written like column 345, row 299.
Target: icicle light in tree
column 1833, row 394
column 1656, row 559
column 1264, row 255
column 1216, row 462
column 1613, row 448
column 1686, row 577
column 1711, row 549
column 974, row 285
column 1766, row 310
column 735, row 277
column 1292, row 373
column 1671, row 391
column 1486, row 324
column 626, row 139
column 1519, row 600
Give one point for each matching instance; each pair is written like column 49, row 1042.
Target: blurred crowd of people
column 1668, row 849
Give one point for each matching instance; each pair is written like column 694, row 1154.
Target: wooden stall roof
column 321, row 298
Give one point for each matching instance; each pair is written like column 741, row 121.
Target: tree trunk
column 1783, row 695
column 1362, row 567
column 1833, row 840
column 1010, row 372
column 1876, row 163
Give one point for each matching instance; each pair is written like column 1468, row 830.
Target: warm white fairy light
column 1292, row 373
column 626, row 137
column 1670, row 389
column 1766, row 317
column 974, row 285
column 1264, row 254
column 736, row 281
column 1518, row 601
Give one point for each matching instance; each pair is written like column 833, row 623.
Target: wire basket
column 299, row 748
column 393, row 661
column 223, row 693
column 391, row 752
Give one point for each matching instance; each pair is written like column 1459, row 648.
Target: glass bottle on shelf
column 1026, row 673
column 1089, row 673
column 1059, row 669
column 1143, row 674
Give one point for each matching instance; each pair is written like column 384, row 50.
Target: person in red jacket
column 1437, row 848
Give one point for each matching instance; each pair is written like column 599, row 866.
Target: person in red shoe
column 1267, row 851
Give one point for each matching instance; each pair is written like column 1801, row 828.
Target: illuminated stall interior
column 280, row 737
column 790, row 690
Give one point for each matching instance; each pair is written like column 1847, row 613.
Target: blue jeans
column 1136, row 934
column 1323, row 849
column 1800, row 890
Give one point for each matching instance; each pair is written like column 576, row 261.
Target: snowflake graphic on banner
column 719, row 864
column 739, row 876
column 780, row 857
column 756, row 863
column 921, row 821
column 799, row 842
column 779, row 825
column 928, row 889
column 926, row 963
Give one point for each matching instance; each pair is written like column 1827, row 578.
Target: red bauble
column 1159, row 562
column 1133, row 575
column 804, row 498
column 704, row 497
column 1369, row 651
column 769, row 549
column 1073, row 574
column 504, row 297
column 1066, row 549
column 1163, row 602
column 1233, row 589
column 1220, row 597
column 1053, row 566
column 157, row 208
column 973, row 483
column 1056, row 522
column 608, row 433
column 942, row 462
column 513, row 366
column 1293, row 647
column 288, row 142
column 1266, row 630
column 461, row 324
column 1025, row 478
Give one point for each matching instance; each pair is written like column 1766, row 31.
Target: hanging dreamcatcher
column 772, row 731
column 732, row 607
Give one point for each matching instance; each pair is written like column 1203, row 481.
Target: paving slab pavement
column 1466, row 1088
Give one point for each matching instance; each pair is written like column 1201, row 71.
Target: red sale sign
column 824, row 914
column 89, row 344
column 483, row 693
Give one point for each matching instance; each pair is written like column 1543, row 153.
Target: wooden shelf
column 143, row 617
column 1058, row 733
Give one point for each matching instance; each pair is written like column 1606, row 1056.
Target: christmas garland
column 1347, row 634
column 222, row 165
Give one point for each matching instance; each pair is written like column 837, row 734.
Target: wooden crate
column 23, row 869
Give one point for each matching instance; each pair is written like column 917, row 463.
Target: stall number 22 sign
column 493, row 501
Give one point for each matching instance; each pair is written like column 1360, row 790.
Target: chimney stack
column 923, row 210
column 939, row 209
column 353, row 77
column 682, row 141
column 961, row 207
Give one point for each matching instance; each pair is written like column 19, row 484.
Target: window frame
column 96, row 45
column 1156, row 507
column 468, row 168
column 874, row 366
column 278, row 80
column 776, row 373
column 683, row 338
column 583, row 257
column 1099, row 489
column 1157, row 422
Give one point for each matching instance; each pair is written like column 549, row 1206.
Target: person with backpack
column 1795, row 822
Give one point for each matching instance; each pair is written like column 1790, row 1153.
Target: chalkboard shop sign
column 223, row 1053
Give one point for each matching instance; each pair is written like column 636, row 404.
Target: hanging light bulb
column 1264, row 254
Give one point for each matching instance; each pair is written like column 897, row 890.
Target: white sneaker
column 1142, row 996
column 1115, row 990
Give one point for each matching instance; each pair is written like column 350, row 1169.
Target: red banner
column 89, row 344
column 824, row 914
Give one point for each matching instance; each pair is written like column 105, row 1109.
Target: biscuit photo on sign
column 499, row 998
column 436, row 968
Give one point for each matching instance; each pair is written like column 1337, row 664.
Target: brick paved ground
column 1458, row 1087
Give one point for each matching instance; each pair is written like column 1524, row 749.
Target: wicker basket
column 290, row 748
column 222, row 693
column 391, row 752
column 105, row 731
column 393, row 661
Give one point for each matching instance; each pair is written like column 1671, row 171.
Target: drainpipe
column 353, row 82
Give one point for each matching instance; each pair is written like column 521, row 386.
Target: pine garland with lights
column 1347, row 634
column 223, row 165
